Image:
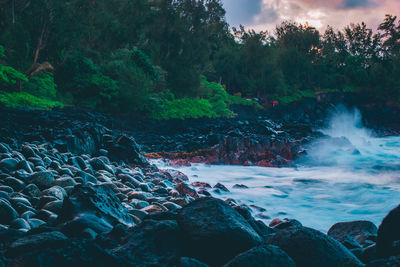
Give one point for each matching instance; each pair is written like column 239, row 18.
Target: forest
column 165, row 59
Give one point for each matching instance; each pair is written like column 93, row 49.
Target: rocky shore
column 76, row 189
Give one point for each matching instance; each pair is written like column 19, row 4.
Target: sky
column 266, row 14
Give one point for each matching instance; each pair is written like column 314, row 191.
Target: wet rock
column 7, row 213
column 43, row 179
column 81, row 222
column 155, row 243
column 42, row 240
column 97, row 199
column 359, row 231
column 125, row 148
column 309, row 247
column 65, row 181
column 189, row 262
column 262, row 256
column 215, row 231
column 21, row 224
column 184, row 189
column 54, row 206
column 201, row 184
column 286, row 223
column 388, row 232
column 221, row 186
column 31, row 190
column 55, row 191
column 15, row 183
column 8, row 164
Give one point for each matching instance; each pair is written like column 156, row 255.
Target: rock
column 155, row 243
column 54, row 206
column 8, row 164
column 65, row 181
column 99, row 200
column 357, row 230
column 15, row 183
column 43, row 240
column 262, row 256
column 152, row 208
column 201, row 184
column 7, row 213
column 125, row 148
column 80, row 223
column 177, row 176
column 189, row 262
column 66, row 253
column 43, row 179
column 23, row 164
column 389, row 262
column 286, row 223
column 309, row 247
column 388, row 232
column 35, row 222
column 215, row 231
column 55, row 191
column 21, row 224
column 31, row 190
column 185, row 189
column 221, row 186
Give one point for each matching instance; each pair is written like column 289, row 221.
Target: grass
column 26, row 100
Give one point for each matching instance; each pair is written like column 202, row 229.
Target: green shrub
column 185, row 108
column 24, row 99
column 42, row 85
column 10, row 76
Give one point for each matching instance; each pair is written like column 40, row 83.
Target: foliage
column 9, row 77
column 42, row 85
column 24, row 99
column 185, row 108
column 128, row 56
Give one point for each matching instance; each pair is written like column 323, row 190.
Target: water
column 347, row 175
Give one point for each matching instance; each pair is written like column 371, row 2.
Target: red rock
column 201, row 184
column 274, row 222
column 184, row 189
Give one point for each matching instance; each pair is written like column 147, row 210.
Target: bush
column 42, row 85
column 10, row 76
column 185, row 108
column 82, row 79
column 24, row 99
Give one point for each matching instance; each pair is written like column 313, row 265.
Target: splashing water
column 347, row 175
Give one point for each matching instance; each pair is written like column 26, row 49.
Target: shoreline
column 75, row 191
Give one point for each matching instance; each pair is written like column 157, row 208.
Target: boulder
column 125, row 148
column 7, row 213
column 262, row 256
column 388, row 232
column 309, row 247
column 359, row 230
column 155, row 243
column 215, row 232
column 43, row 179
column 98, row 200
column 38, row 241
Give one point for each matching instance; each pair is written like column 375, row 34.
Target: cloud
column 242, row 11
column 266, row 14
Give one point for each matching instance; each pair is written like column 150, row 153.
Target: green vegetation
column 23, row 99
column 180, row 59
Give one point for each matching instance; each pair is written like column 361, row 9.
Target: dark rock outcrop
column 388, row 232
column 215, row 232
column 348, row 232
column 262, row 256
column 309, row 248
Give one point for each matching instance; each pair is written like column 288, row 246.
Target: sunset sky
column 265, row 14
